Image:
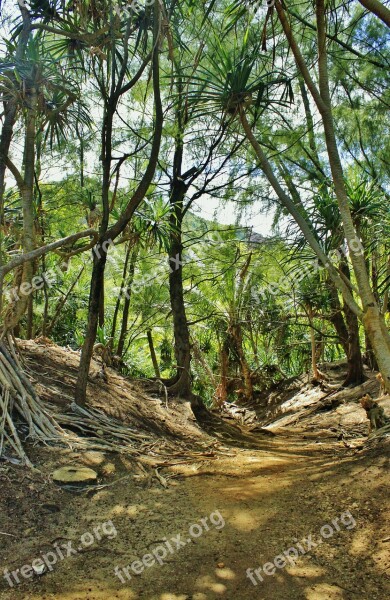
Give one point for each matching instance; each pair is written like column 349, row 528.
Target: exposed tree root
column 78, row 429
column 19, row 399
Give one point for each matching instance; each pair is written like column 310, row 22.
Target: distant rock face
column 74, row 474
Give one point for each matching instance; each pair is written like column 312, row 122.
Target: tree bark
column 99, row 263
column 376, row 7
column 182, row 386
column 126, row 304
column 119, row 298
column 236, row 333
column 153, row 354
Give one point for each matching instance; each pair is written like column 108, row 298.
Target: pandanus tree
column 114, row 79
column 43, row 98
column 241, row 85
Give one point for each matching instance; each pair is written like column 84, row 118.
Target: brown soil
column 269, row 497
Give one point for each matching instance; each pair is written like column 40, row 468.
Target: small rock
column 73, row 474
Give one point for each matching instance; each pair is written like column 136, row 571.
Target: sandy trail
column 258, row 504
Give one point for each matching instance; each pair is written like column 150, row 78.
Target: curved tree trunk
column 369, row 314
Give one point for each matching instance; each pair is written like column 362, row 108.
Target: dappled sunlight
column 206, row 582
column 225, row 573
column 168, row 596
column 132, row 511
column 255, row 488
column 324, row 591
column 361, row 543
column 305, row 571
column 246, row 521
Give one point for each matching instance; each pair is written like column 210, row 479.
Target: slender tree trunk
column 46, row 301
column 126, row 304
column 153, row 354
column 46, row 330
column 5, row 142
column 317, row 375
column 221, row 394
column 119, row 298
column 386, row 304
column 99, row 263
column 337, row 319
column 30, row 318
column 26, row 188
column 198, row 355
column 182, row 386
column 355, row 375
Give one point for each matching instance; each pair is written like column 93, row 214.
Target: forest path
column 259, row 504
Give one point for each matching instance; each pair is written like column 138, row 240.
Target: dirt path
column 258, row 505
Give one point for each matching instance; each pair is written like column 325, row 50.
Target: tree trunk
column 182, row 386
column 378, row 9
column 349, row 338
column 99, row 263
column 236, row 333
column 198, row 355
column 153, row 354
column 221, row 394
column 337, row 319
column 117, row 228
column 5, row 142
column 119, row 298
column 126, row 304
column 26, row 189
column 30, row 318
column 47, row 329
column 355, row 374
column 370, row 314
